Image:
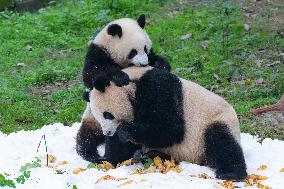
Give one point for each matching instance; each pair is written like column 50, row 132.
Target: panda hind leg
column 224, row 153
column 89, row 137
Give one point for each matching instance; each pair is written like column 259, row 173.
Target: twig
column 279, row 106
column 43, row 137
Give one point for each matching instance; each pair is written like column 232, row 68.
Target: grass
column 220, row 55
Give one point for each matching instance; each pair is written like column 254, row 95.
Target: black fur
column 224, row 153
column 158, row 111
column 117, row 152
column 86, row 142
column 114, row 29
column 158, row 61
column 100, row 83
column 88, row 138
column 99, row 63
column 86, row 96
column 141, row 21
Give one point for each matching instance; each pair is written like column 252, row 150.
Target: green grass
column 58, row 36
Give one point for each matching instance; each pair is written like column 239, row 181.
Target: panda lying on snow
column 174, row 116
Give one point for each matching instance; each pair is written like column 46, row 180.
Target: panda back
column 158, row 98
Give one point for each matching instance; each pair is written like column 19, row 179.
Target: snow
column 19, row 148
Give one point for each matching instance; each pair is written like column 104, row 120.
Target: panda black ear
column 141, row 20
column 114, row 29
column 101, row 83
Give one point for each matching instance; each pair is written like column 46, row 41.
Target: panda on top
column 120, row 44
column 167, row 114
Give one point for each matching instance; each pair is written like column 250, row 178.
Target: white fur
column 140, row 59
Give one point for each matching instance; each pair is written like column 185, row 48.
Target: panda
column 176, row 117
column 120, row 44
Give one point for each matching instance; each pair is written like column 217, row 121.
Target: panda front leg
column 117, row 151
column 151, row 135
column 224, row 153
column 137, row 133
column 89, row 137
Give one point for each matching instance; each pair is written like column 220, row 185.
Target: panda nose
column 108, row 133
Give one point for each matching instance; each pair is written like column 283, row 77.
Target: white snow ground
column 19, row 148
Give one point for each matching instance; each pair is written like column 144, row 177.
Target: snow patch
column 20, row 148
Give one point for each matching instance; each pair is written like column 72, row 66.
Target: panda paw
column 124, row 134
column 120, row 79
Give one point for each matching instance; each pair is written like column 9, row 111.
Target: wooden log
column 279, row 106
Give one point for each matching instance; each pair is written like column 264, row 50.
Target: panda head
column 126, row 41
column 111, row 105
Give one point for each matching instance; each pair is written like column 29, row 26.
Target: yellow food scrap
column 62, row 163
column 262, row 168
column 125, row 163
column 158, row 161
column 256, row 177
column 78, row 170
column 282, row 170
column 149, row 170
column 204, row 176
column 109, row 177
column 127, row 182
column 106, row 177
column 138, row 171
column 259, row 185
column 51, row 158
column 249, row 182
column 161, row 166
column 170, row 165
column 57, row 165
column 144, row 171
column 226, row 184
column 106, row 166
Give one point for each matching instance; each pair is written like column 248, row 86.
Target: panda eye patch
column 145, row 49
column 132, row 53
column 108, row 115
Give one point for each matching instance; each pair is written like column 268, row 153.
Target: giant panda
column 177, row 117
column 120, row 44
